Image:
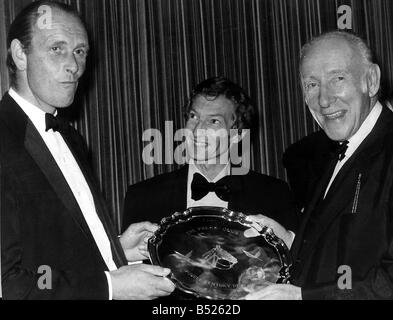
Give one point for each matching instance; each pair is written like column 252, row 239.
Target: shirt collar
column 364, row 130
column 192, row 168
column 35, row 114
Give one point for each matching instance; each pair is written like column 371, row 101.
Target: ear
column 373, row 80
column 234, row 121
column 18, row 55
column 301, row 81
column 304, row 96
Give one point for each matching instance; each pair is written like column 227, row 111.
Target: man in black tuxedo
column 58, row 241
column 216, row 107
column 344, row 246
column 305, row 161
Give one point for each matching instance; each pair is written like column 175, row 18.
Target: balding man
column 344, row 247
column 58, row 241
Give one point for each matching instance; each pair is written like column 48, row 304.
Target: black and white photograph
column 202, row 155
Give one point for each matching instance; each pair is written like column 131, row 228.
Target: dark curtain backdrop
column 147, row 55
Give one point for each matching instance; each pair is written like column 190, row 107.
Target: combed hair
column 353, row 39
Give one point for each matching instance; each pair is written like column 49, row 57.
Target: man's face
column 56, row 60
column 335, row 88
column 208, row 124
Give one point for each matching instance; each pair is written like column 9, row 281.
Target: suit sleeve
column 297, row 178
column 23, row 281
column 131, row 207
column 286, row 211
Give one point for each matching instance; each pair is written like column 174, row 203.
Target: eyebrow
column 216, row 115
column 56, row 42
column 85, row 46
column 331, row 72
column 78, row 46
column 335, row 71
column 209, row 115
column 308, row 78
column 62, row 42
column 82, row 45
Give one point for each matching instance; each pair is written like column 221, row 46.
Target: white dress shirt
column 74, row 177
column 211, row 199
column 354, row 141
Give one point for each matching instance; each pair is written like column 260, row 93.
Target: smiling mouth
column 69, row 83
column 335, row 115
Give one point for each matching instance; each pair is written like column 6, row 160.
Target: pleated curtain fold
column 148, row 54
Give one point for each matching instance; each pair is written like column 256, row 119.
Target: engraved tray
column 210, row 257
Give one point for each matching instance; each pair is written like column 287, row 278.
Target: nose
column 72, row 65
column 200, row 125
column 324, row 96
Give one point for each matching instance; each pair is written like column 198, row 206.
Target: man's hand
column 277, row 228
column 277, row 292
column 134, row 240
column 140, row 282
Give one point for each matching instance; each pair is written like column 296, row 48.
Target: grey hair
column 353, row 40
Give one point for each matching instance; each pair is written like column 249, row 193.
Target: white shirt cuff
column 109, row 279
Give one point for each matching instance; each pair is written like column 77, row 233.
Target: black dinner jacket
column 305, row 161
column 352, row 227
column 163, row 195
column 41, row 222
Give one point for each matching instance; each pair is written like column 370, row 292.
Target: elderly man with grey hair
column 343, row 248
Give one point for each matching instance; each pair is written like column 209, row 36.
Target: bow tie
column 223, row 188
column 55, row 123
column 339, row 149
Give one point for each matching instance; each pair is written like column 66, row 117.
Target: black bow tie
column 223, row 188
column 55, row 123
column 339, row 149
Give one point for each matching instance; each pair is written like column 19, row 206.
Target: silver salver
column 210, row 257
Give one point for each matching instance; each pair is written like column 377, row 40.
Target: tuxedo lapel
column 309, row 210
column 333, row 206
column 178, row 198
column 238, row 199
column 345, row 183
column 100, row 206
column 27, row 136
column 36, row 147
